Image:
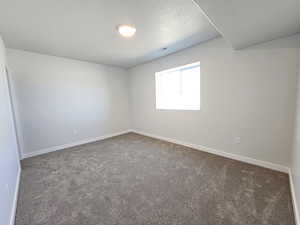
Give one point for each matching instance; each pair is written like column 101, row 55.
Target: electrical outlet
column 237, row 140
column 75, row 131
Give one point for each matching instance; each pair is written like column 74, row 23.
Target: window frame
column 179, row 68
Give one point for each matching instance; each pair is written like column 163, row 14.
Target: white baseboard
column 245, row 159
column 15, row 201
column 294, row 199
column 73, row 144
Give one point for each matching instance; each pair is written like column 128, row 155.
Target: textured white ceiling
column 247, row 22
column 86, row 29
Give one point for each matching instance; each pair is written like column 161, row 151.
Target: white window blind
column 178, row 88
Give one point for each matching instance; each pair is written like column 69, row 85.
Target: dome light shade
column 126, row 30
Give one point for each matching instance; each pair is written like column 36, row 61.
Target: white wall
column 9, row 161
column 295, row 168
column 248, row 94
column 60, row 101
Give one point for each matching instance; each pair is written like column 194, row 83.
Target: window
column 178, row 88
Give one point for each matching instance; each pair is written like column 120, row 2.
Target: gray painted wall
column 60, row 101
column 9, row 160
column 247, row 94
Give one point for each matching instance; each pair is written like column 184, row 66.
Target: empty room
column 149, row 112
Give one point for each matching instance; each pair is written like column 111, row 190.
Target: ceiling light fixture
column 126, row 30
